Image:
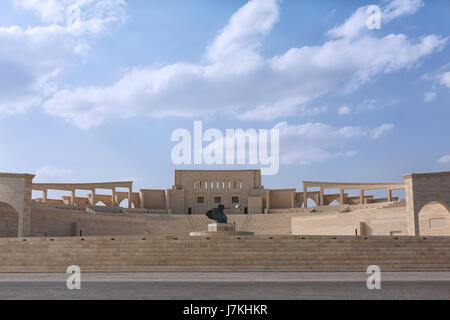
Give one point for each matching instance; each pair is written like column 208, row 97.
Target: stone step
column 229, row 250
column 227, row 267
column 224, row 243
column 230, row 238
column 228, row 254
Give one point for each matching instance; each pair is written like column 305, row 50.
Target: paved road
column 245, row 286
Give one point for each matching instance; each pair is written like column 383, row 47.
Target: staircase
column 257, row 253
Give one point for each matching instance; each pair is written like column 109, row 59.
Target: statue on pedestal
column 217, row 214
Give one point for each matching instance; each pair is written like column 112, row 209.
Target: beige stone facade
column 180, row 210
column 196, row 191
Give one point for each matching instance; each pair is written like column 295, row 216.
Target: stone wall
column 53, row 222
column 374, row 222
column 260, row 224
column 153, row 199
column 281, row 199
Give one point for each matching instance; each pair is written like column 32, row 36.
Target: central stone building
column 196, row 191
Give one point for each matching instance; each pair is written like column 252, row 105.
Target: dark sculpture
column 217, row 214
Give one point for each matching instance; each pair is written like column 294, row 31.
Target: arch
column 334, row 203
column 422, row 189
column 124, row 204
column 100, row 203
column 9, row 221
column 15, row 190
column 434, row 219
column 311, row 203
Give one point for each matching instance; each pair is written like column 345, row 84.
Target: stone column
column 305, row 196
column 72, row 198
column 321, row 197
column 113, row 202
column 129, row 198
column 341, row 196
column 93, row 197
column 44, row 196
column 267, row 201
column 361, row 196
column 389, row 195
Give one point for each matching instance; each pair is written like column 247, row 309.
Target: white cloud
column 308, row 143
column 441, row 77
column 314, row 142
column 344, row 110
column 238, row 82
column 444, row 159
column 50, row 11
column 429, row 96
column 236, row 44
column 94, row 14
column 31, row 58
column 381, row 130
column 51, row 174
column 356, row 25
column 445, row 79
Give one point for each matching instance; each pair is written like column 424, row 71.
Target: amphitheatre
column 325, row 226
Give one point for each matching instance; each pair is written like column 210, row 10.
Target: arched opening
column 335, row 203
column 124, row 204
column 100, row 204
column 434, row 219
column 311, row 203
column 9, row 221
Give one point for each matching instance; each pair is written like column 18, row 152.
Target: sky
column 93, row 90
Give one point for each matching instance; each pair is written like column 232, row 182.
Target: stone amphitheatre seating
column 257, row 253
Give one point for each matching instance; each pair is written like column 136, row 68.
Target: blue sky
column 100, row 101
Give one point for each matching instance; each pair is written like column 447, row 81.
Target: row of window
column 235, row 184
column 217, row 200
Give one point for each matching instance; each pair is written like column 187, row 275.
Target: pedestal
column 221, row 229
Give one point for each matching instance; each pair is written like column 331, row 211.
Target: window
column 200, row 199
column 235, row 200
column 217, row 200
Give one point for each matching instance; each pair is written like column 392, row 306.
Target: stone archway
column 434, row 219
column 422, row 189
column 15, row 190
